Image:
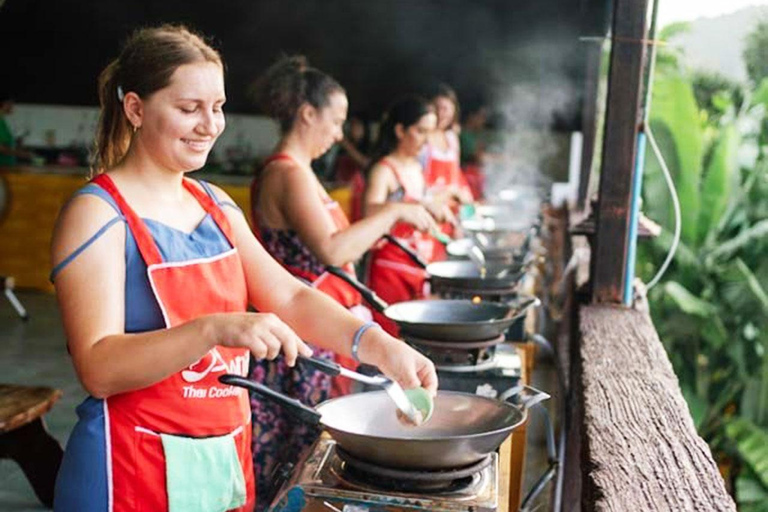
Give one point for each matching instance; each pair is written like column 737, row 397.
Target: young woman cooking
column 306, row 231
column 441, row 156
column 154, row 273
column 397, row 178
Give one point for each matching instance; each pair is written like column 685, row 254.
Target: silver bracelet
column 358, row 336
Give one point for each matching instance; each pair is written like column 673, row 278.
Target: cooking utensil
column 466, row 274
column 478, row 258
column 444, row 320
column 414, row 415
column 464, row 428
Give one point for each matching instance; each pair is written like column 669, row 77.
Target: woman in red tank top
column 306, row 231
column 397, row 177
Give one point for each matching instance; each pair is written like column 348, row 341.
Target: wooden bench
column 24, row 438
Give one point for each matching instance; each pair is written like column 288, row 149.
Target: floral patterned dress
column 278, row 437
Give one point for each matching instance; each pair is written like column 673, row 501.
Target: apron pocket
column 201, row 474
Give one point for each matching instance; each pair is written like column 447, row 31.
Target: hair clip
column 120, row 94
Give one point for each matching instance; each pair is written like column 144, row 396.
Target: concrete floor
column 34, row 353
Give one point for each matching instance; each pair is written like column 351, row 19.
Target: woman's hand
column 398, row 361
column 264, row 334
column 441, row 211
column 416, row 215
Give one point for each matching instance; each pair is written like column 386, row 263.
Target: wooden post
column 622, row 121
column 589, row 118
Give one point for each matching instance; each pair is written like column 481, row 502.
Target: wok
column 504, row 251
column 466, row 274
column 463, row 430
column 444, row 320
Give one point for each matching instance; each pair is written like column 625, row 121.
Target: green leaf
column 674, row 107
column 747, row 237
column 751, row 495
column 687, row 301
column 751, row 442
column 760, row 96
column 674, row 29
column 696, row 405
column 718, row 182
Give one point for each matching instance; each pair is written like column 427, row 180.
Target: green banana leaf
column 687, row 301
column 760, row 96
column 718, row 182
column 674, row 107
column 751, row 442
column 752, row 235
column 751, row 495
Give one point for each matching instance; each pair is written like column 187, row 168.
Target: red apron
column 441, row 172
column 392, row 274
column 191, row 402
column 331, row 285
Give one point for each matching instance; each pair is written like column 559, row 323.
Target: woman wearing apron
column 305, row 231
column 441, row 157
column 397, row 177
column 153, row 274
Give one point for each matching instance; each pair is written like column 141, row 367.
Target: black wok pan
column 466, row 274
column 444, row 320
column 499, row 252
column 463, row 430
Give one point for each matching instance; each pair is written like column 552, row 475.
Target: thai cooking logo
column 213, row 363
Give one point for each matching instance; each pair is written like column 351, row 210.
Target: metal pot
column 467, row 274
column 444, row 320
column 463, row 430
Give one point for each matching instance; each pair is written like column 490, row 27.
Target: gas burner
column 321, row 482
column 363, row 475
column 458, row 356
column 477, row 294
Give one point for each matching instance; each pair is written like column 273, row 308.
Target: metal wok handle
column 334, row 369
column 407, row 250
column 368, row 294
column 524, row 305
column 525, row 396
column 530, row 397
column 298, row 409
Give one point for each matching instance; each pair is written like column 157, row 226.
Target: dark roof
column 377, row 49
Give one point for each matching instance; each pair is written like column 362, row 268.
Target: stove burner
column 478, row 294
column 458, row 356
column 364, row 473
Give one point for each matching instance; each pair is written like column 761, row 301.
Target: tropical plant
column 756, row 52
column 711, row 308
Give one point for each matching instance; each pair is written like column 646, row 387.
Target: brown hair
column 145, row 65
column 443, row 90
column 288, row 84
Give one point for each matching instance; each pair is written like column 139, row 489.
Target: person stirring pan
column 154, row 273
column 397, row 178
column 306, row 231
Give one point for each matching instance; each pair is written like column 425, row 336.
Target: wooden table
column 24, row 438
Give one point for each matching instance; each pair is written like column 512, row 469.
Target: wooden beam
column 622, row 121
column 640, row 447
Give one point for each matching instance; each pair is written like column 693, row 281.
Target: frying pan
column 463, row 430
column 466, row 274
column 444, row 320
column 506, row 251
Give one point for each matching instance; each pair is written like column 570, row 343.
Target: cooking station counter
column 321, row 482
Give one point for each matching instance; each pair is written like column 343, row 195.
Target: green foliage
column 711, row 308
column 756, row 52
column 716, row 93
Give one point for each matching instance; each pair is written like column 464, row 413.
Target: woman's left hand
column 398, row 361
